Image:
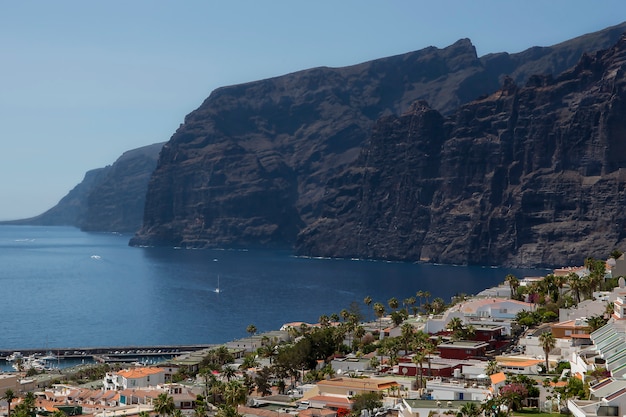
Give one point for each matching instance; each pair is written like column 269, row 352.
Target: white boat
column 49, row 356
column 28, row 362
column 217, row 289
column 14, row 356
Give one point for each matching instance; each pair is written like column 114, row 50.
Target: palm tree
column 438, row 305
column 457, row 327
column 164, row 404
column 595, row 322
column 420, row 295
column 470, row 410
column 513, row 284
column 251, row 329
column 407, row 332
column 547, row 342
column 393, row 303
column 368, row 301
column 226, row 410
column 576, row 284
column 418, row 359
column 492, row 367
column 228, row 372
column 379, row 310
column 209, row 379
column 9, row 396
column 428, row 348
column 249, row 361
column 412, row 302
column 235, row 393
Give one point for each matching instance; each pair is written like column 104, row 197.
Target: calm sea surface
column 60, row 287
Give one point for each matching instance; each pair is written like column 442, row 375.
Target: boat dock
column 110, row 353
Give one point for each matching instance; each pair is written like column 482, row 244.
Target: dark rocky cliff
column 109, row 199
column 250, row 166
column 531, row 175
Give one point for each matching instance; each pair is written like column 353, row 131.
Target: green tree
column 249, row 361
column 251, row 329
column 366, row 401
column 228, row 372
column 547, row 342
column 420, row 297
column 470, row 410
column 262, row 381
column 226, row 410
column 398, row 316
column 367, row 301
column 492, row 367
column 513, row 282
column 576, row 284
column 9, row 396
column 235, row 393
column 379, row 310
column 393, row 303
column 164, row 404
column 438, row 306
column 595, row 322
column 513, row 394
column 575, row 388
column 418, row 360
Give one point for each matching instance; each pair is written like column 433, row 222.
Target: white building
column 134, row 378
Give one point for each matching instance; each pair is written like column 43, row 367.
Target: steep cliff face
column 116, row 202
column 532, row 175
column 109, row 199
column 250, row 166
column 247, row 167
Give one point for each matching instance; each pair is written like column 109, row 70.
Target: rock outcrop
column 528, row 176
column 251, row 165
column 109, row 199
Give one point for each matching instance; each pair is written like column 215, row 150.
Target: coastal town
column 548, row 345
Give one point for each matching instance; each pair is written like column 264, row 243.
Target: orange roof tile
column 497, row 378
column 139, row 372
column 523, row 363
column 332, row 400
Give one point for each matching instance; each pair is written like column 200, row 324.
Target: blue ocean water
column 61, row 287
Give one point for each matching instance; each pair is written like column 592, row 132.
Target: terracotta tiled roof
column 135, row 373
column 332, row 400
column 497, row 378
column 523, row 363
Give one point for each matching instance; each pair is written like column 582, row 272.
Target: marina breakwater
column 115, row 353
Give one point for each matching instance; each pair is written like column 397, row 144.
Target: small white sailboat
column 217, row 289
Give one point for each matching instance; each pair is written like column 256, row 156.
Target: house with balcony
column 140, row 377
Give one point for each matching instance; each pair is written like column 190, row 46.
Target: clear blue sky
column 83, row 81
